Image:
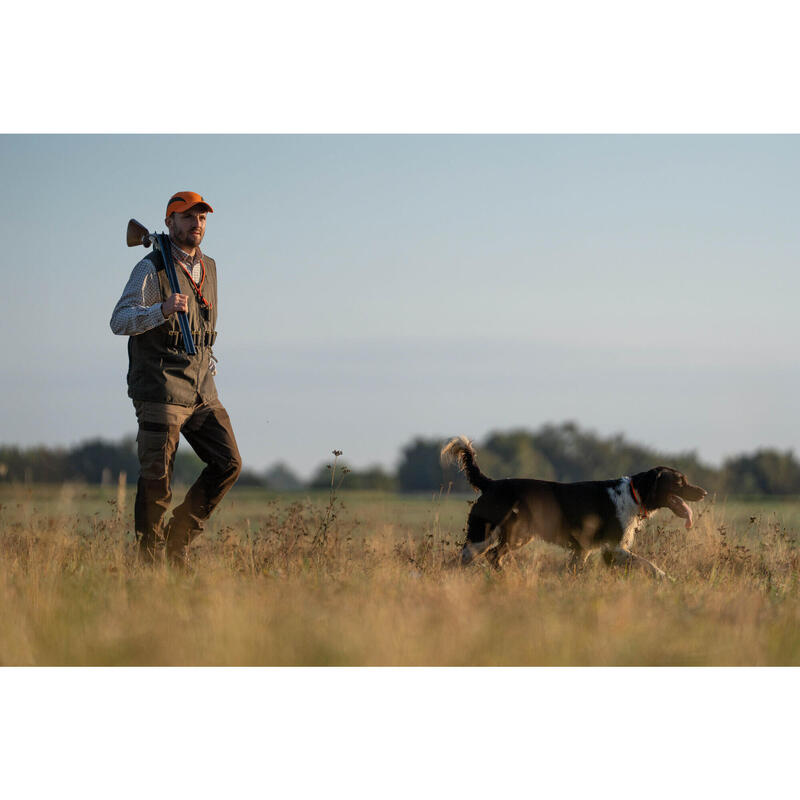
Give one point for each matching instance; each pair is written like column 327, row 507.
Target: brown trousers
column 207, row 428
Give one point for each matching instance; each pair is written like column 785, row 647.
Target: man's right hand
column 175, row 302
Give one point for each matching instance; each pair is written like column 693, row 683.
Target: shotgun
column 136, row 235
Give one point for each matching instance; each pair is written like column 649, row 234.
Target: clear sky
column 373, row 288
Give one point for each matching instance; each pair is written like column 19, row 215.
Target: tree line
column 562, row 452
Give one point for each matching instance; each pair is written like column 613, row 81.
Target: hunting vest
column 159, row 369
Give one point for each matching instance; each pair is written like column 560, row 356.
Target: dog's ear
column 646, row 484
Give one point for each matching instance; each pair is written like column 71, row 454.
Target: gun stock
column 137, row 234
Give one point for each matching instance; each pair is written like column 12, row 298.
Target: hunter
column 174, row 392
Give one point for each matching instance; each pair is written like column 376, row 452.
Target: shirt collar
column 183, row 256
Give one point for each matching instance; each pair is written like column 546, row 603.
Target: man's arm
column 140, row 308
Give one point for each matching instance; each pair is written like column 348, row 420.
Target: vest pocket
column 174, row 365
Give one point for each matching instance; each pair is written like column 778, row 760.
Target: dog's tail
column 462, row 452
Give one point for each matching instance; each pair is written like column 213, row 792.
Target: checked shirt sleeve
column 139, row 308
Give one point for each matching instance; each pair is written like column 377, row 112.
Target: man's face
column 186, row 228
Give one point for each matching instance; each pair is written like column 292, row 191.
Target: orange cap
column 183, row 201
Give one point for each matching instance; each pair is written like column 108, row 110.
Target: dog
column 582, row 517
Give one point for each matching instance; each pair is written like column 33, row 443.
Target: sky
column 378, row 287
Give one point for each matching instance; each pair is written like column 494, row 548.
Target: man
column 174, row 392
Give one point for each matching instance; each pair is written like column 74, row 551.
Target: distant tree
column 553, row 452
column 371, row 478
column 763, row 472
column 38, row 464
column 420, row 469
column 281, row 478
column 321, row 478
column 249, row 477
column 514, row 454
column 89, row 460
column 577, row 455
column 561, row 452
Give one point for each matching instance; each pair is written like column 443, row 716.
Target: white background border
column 411, row 67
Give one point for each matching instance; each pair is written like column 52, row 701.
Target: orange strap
column 198, row 289
column 637, row 500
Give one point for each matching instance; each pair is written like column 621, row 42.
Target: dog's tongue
column 680, row 509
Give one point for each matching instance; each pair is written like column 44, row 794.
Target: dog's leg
column 497, row 556
column 577, row 561
column 620, row 557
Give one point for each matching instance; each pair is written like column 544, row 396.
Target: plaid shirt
column 139, row 308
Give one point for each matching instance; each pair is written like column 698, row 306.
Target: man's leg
column 210, row 434
column 157, row 441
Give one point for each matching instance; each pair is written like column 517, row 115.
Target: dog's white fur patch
column 626, row 509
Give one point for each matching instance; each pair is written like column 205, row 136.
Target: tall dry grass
column 379, row 588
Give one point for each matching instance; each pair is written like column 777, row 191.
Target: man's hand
column 175, row 302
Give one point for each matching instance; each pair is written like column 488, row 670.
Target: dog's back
column 512, row 511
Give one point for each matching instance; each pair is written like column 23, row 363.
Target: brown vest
column 159, row 368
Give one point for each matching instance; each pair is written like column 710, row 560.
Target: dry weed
column 381, row 585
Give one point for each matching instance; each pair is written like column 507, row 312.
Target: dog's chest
column 627, row 511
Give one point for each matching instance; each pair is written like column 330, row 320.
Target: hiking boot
column 177, row 545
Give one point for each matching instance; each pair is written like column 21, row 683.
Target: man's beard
column 184, row 241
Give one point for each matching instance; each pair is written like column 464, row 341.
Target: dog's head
column 663, row 487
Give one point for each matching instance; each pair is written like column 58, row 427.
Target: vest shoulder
column 154, row 257
column 211, row 268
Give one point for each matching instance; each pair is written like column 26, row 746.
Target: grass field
column 367, row 580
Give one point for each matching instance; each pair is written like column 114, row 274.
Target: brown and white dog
column 583, row 517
